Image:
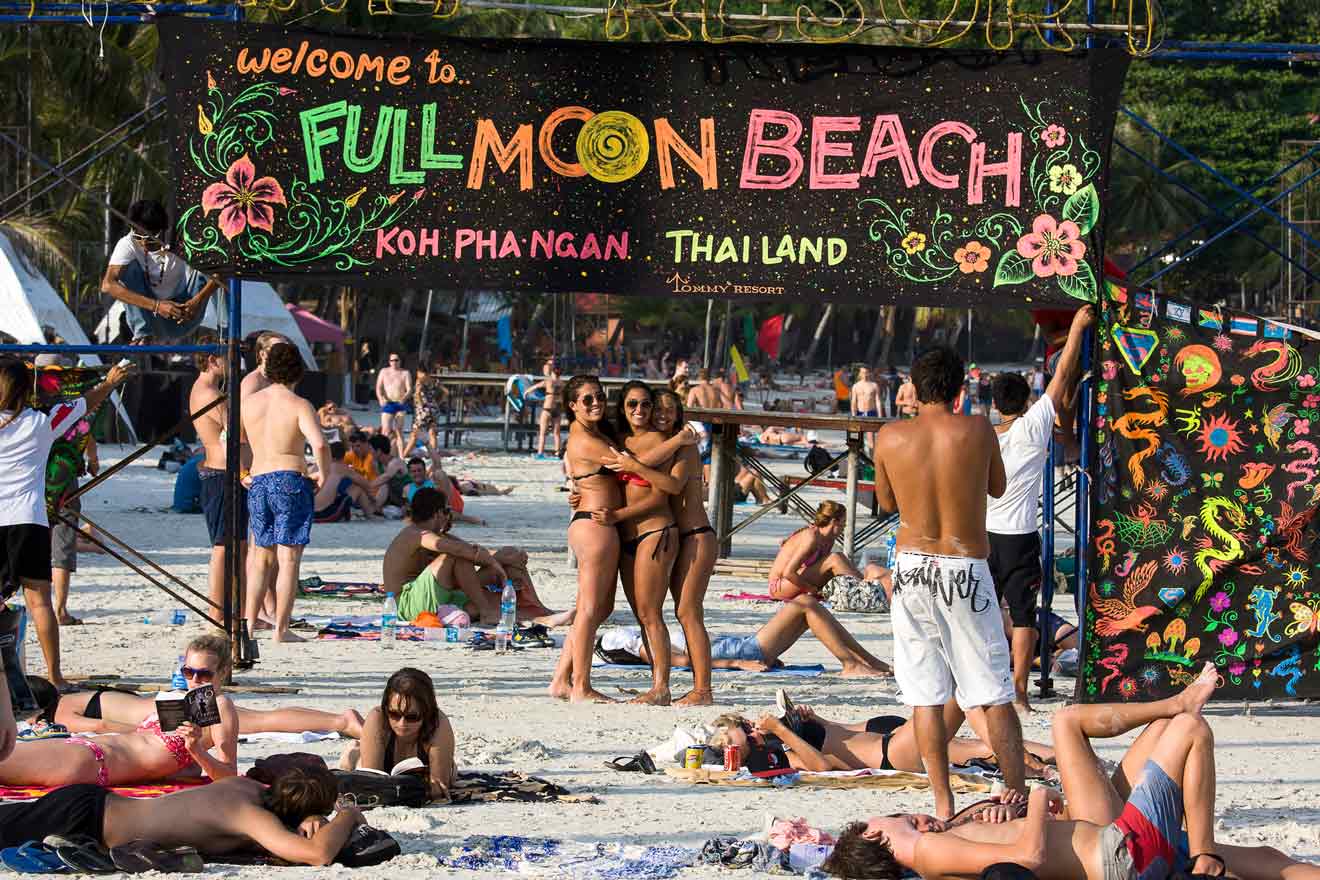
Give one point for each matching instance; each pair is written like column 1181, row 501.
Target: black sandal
column 638, row 763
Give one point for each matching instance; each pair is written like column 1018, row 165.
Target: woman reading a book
column 149, row 753
column 407, row 733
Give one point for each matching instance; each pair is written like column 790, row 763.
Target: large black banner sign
column 842, row 172
column 1204, row 543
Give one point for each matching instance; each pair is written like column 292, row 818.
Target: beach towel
column 370, row 633
column 888, row 780
column 307, row 736
column 810, row 671
column 315, row 588
column 476, row 787
column 150, row 790
column 568, row 859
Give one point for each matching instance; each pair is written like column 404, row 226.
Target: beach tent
column 28, row 303
column 316, row 329
column 262, row 310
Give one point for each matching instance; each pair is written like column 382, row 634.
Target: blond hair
column 726, row 722
column 827, row 512
column 212, row 644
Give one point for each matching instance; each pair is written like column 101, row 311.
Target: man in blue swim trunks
column 1125, row 827
column 393, row 391
column 281, row 503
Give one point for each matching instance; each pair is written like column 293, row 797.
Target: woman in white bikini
column 148, row 754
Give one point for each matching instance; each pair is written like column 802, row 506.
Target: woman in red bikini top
column 147, row 755
column 805, row 563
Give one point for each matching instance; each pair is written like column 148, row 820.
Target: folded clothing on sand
column 314, row 587
column 566, row 858
column 473, row 787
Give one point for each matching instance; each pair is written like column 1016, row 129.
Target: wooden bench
column 743, row 568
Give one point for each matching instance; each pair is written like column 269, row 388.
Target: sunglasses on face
column 637, row 404
column 151, row 242
column 592, row 399
column 202, row 675
column 410, row 717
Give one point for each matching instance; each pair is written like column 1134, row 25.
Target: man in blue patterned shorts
column 277, row 422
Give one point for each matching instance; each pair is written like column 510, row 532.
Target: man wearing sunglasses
column 163, row 297
column 393, row 391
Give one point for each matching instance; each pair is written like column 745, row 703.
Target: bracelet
column 155, row 310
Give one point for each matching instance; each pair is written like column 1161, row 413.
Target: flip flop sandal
column 640, row 762
column 32, row 858
column 524, row 638
column 81, row 853
column 481, row 642
column 141, row 856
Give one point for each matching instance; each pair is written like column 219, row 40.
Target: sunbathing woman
column 648, row 538
column 147, row 754
column 112, row 711
column 594, row 544
column 408, row 723
column 697, row 546
column 806, row 561
column 886, row 742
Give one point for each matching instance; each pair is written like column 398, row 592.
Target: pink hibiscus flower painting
column 1054, row 248
column 243, row 199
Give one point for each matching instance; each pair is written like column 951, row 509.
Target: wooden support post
column 723, row 462
column 850, row 525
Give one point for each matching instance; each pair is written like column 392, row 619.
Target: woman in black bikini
column 697, row 546
column 408, row 723
column 648, row 538
column 886, row 742
column 594, row 544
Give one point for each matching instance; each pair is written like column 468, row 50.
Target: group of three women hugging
column 639, row 517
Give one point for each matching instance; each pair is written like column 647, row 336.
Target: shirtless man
column 937, row 470
column 237, row 814
column 340, row 490
column 255, row 381
column 424, row 563
column 210, row 427
column 728, row 392
column 388, row 466
column 703, row 394
column 280, row 498
column 1123, row 827
column 905, row 401
column 393, row 389
column 865, row 399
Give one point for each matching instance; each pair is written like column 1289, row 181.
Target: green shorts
column 425, row 593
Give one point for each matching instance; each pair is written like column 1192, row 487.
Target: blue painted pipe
column 115, row 349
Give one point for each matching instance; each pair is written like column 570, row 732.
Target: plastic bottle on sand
column 508, row 618
column 389, row 621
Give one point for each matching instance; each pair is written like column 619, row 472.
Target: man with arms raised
column 936, row 471
column 210, row 427
column 1024, row 444
column 280, row 498
column 286, row 819
column 393, row 388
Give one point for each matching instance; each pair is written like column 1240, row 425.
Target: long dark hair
column 576, row 384
column 15, row 384
column 680, row 415
column 622, row 427
column 418, row 693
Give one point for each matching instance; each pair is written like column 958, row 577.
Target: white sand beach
column 504, row 720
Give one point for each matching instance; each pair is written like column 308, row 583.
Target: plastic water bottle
column 389, row 621
column 178, row 682
column 179, row 617
column 508, row 618
column 891, row 549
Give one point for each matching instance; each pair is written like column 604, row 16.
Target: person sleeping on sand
column 147, row 754
column 286, row 819
column 407, row 724
column 782, row 437
column 805, row 741
column 759, row 652
column 106, row 710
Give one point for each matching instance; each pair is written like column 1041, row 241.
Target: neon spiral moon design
column 613, row 146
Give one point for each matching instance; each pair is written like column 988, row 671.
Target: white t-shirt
column 24, row 447
column 629, row 638
column 1025, row 447
column 164, row 269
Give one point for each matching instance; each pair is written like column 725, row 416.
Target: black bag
column 818, row 457
column 375, row 790
column 272, row 767
column 367, row 846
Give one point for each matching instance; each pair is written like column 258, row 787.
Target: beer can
column 732, row 759
column 694, row 757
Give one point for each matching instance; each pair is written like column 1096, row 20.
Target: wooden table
column 725, row 453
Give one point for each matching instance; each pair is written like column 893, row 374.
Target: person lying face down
column 287, row 819
column 1126, row 827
